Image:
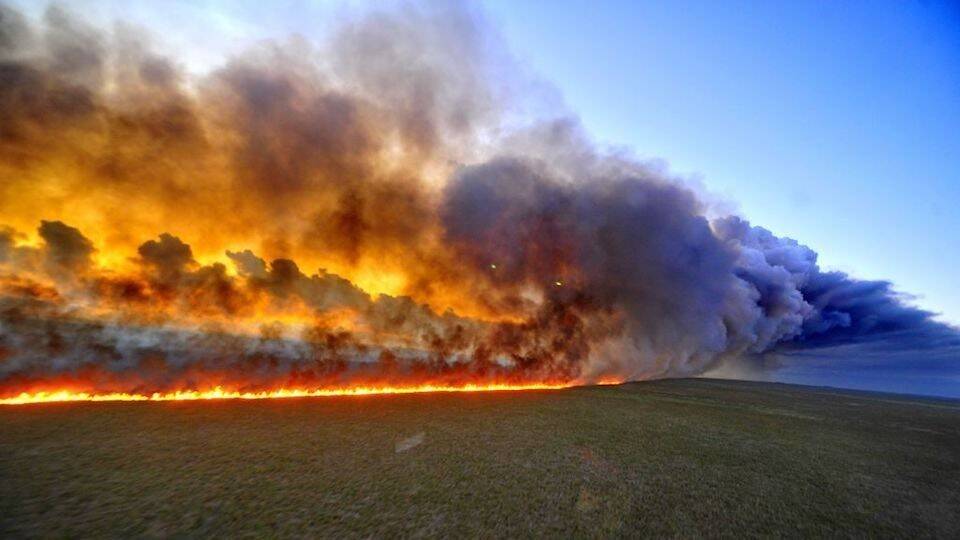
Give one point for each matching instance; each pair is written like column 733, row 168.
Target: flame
column 219, row 393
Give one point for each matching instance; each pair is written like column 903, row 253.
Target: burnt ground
column 678, row 458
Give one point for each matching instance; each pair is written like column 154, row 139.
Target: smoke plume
column 366, row 210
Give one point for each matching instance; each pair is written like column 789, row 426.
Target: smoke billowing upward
column 366, row 211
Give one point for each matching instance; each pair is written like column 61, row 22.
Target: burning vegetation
column 363, row 215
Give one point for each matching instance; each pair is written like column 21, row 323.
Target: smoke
column 367, row 210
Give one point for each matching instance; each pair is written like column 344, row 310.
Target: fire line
column 219, row 393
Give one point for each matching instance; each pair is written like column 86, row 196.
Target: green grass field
column 677, row 458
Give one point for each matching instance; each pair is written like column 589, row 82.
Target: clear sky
column 834, row 123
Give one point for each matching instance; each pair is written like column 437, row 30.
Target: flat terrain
column 684, row 457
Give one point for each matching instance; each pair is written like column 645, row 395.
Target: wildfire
column 298, row 226
column 219, row 393
column 56, row 396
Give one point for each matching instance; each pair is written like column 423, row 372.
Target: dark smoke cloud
column 638, row 247
column 812, row 309
column 169, row 257
column 67, row 249
column 524, row 253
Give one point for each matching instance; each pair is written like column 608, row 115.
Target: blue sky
column 830, row 122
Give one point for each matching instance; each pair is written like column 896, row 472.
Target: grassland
column 676, row 458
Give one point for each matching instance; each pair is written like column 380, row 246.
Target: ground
column 679, row 458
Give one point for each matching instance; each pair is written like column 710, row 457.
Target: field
column 679, row 458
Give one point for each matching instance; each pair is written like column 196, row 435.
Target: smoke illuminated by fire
column 374, row 212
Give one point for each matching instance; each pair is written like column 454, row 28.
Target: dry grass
column 676, row 458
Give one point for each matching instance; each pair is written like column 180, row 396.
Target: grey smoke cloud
column 585, row 264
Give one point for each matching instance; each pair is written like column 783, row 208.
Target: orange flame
column 219, row 393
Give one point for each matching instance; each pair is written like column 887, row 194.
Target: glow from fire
column 219, row 393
